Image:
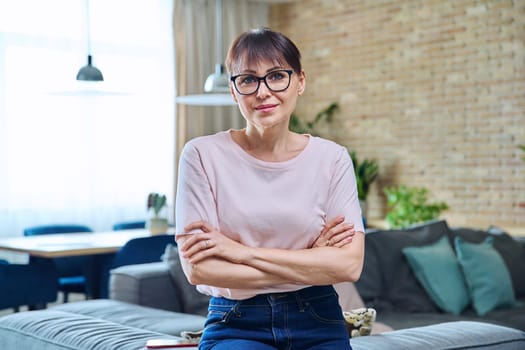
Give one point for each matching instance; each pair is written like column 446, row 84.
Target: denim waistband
column 304, row 294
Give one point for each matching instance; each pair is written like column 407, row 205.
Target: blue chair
column 32, row 285
column 72, row 271
column 53, row 229
column 129, row 225
column 136, row 251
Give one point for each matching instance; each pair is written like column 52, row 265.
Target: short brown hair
column 263, row 44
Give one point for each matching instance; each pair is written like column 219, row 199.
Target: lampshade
column 89, row 72
column 218, row 81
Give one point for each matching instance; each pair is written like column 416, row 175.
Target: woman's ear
column 302, row 83
column 233, row 94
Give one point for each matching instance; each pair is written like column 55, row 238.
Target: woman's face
column 266, row 108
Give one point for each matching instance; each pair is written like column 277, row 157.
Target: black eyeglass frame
column 263, row 78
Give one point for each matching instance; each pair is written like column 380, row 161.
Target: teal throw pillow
column 486, row 274
column 437, row 269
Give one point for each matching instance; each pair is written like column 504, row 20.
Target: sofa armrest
column 145, row 284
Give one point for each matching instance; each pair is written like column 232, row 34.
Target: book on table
column 170, row 343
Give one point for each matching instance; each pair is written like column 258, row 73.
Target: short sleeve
column 342, row 194
column 194, row 200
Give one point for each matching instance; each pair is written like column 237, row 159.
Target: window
column 84, row 153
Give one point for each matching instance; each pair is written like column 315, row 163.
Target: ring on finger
column 206, row 243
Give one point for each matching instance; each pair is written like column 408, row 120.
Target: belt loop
column 235, row 308
column 300, row 303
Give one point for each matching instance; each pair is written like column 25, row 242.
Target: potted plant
column 157, row 224
column 365, row 173
column 409, row 205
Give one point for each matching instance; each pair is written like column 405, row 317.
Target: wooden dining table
column 71, row 244
column 101, row 246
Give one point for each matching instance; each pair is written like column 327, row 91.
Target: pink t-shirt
column 264, row 204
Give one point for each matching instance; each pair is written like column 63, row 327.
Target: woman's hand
column 210, row 242
column 336, row 233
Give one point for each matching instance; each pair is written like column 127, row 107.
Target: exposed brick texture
column 434, row 89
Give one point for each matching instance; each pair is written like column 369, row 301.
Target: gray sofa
column 389, row 284
column 151, row 301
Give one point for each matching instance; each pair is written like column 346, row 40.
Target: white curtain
column 196, row 57
column 84, row 153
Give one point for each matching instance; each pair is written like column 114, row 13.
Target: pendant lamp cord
column 88, row 29
column 218, row 30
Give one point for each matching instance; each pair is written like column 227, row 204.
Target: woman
column 266, row 214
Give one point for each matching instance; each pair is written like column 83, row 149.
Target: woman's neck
column 270, row 145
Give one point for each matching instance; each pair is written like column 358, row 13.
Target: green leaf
column 300, row 127
column 365, row 173
column 156, row 202
column 409, row 205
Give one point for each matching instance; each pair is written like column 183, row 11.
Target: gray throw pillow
column 193, row 302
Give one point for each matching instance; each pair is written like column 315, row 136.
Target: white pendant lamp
column 89, row 72
column 216, row 87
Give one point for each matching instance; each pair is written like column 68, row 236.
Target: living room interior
column 431, row 92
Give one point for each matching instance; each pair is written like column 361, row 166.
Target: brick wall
column 435, row 90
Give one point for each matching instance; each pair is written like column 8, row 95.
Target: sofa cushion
column 486, row 274
column 438, row 270
column 391, row 284
column 445, row 336
column 59, row 330
column 155, row 320
column 510, row 317
column 512, row 252
column 192, row 301
column 514, row 318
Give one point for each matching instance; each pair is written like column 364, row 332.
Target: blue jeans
column 308, row 319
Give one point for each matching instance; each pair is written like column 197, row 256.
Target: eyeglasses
column 276, row 81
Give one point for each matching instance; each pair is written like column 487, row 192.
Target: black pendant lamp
column 89, row 72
